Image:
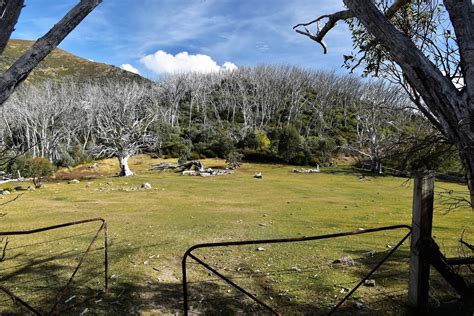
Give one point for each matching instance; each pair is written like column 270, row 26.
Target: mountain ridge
column 61, row 64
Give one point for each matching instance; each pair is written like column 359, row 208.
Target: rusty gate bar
column 103, row 227
column 370, row 273
column 188, row 253
column 234, row 284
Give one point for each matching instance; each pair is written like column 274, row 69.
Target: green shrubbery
column 272, row 145
column 31, row 167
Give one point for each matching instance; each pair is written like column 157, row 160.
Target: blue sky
column 149, row 35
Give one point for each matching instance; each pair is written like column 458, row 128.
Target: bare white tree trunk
column 124, row 169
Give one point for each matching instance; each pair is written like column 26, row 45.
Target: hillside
column 60, row 64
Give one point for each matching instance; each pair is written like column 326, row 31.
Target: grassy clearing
column 150, row 230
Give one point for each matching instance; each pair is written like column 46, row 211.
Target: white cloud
column 163, row 63
column 130, row 68
column 229, row 66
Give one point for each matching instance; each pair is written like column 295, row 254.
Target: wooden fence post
column 423, row 199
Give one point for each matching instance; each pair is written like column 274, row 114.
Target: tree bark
column 9, row 13
column 20, row 70
column 376, row 166
column 124, row 169
column 454, row 109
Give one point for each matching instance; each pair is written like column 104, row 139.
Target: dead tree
column 19, row 71
column 448, row 105
column 123, row 122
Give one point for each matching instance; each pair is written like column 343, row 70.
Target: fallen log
column 193, row 165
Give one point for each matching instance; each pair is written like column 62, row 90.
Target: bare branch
column 339, row 16
column 19, row 71
column 332, row 20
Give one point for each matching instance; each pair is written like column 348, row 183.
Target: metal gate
column 201, row 262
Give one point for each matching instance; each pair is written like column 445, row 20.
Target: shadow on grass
column 129, row 295
column 443, row 299
column 134, row 296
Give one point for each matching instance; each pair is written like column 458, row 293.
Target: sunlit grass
column 150, row 230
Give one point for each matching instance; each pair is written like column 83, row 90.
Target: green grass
column 150, row 230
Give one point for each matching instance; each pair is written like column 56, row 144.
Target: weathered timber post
column 423, row 198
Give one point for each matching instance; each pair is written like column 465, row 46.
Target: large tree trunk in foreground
column 454, row 109
column 20, row 70
column 124, row 169
column 468, row 162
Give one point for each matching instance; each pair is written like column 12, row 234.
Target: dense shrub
column 257, row 140
column 31, row 167
column 290, row 143
column 75, row 156
column 234, row 159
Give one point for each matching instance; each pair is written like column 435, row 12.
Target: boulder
column 258, row 175
column 145, row 186
column 73, row 181
column 5, row 192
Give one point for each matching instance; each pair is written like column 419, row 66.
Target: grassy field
column 149, row 231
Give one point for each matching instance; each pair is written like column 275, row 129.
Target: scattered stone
column 345, row 261
column 369, row 283
column 258, row 175
column 6, row 192
column 30, row 188
column 73, row 181
column 145, row 186
column 94, row 166
column 260, row 249
column 359, row 305
column 296, row 269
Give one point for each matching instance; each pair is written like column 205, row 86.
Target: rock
column 345, row 261
column 296, row 269
column 145, row 186
column 369, row 283
column 5, row 192
column 260, row 249
column 359, row 305
column 204, row 174
column 94, row 166
column 258, row 175
column 262, row 224
column 73, row 181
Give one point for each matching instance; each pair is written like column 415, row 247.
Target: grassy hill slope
column 60, row 64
